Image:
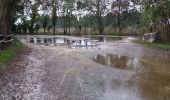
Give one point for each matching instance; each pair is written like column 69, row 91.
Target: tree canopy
column 92, row 16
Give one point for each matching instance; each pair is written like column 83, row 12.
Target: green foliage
column 115, row 33
column 123, row 14
column 37, row 27
column 161, row 46
column 154, row 45
column 157, row 11
column 34, row 17
column 80, row 5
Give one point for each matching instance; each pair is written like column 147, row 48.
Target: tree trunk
column 37, row 31
column 100, row 23
column 99, row 18
column 69, row 26
column 64, row 28
column 54, row 28
column 119, row 23
column 44, row 30
column 69, row 30
column 85, row 30
column 91, row 29
column 3, row 17
column 6, row 9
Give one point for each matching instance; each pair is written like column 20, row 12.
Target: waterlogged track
column 61, row 73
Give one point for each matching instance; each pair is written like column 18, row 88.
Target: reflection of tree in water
column 100, row 59
column 106, row 38
column 122, row 62
column 119, row 61
column 153, row 80
column 101, row 39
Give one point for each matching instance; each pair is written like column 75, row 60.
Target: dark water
column 106, row 38
column 117, row 61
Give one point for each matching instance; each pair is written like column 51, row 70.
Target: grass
column 17, row 44
column 8, row 54
column 165, row 46
column 115, row 34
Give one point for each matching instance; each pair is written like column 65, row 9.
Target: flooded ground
column 106, row 39
column 152, row 80
column 118, row 61
column 118, row 70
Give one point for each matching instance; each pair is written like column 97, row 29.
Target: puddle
column 122, row 93
column 106, row 38
column 117, row 61
column 152, row 80
column 74, row 44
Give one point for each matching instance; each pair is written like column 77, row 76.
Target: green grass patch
column 8, row 54
column 5, row 57
column 17, row 44
column 115, row 34
column 154, row 45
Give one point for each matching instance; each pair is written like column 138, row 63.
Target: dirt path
column 61, row 73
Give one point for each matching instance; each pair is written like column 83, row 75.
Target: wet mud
column 118, row 70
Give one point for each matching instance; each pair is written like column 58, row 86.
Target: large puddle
column 62, row 41
column 152, row 79
column 107, row 39
column 117, row 61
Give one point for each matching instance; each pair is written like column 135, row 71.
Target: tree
column 37, row 27
column 100, row 6
column 34, row 16
column 7, row 7
column 118, row 8
column 25, row 25
column 157, row 15
column 49, row 27
column 99, row 9
column 66, row 7
column 45, row 22
column 54, row 15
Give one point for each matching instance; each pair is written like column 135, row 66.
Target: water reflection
column 117, row 61
column 151, row 80
column 106, row 38
column 75, row 43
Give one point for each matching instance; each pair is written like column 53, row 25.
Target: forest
column 85, row 17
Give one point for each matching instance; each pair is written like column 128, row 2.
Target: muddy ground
column 61, row 73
